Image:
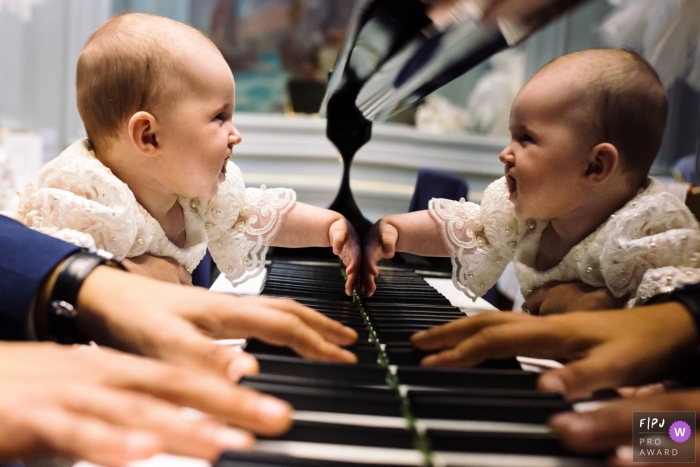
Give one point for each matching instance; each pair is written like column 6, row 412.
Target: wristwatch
column 689, row 297
column 61, row 313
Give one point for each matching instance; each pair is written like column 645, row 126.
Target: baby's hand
column 346, row 245
column 380, row 243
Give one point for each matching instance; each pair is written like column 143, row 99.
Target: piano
column 387, row 410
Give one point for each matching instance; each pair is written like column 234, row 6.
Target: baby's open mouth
column 512, row 184
column 223, row 167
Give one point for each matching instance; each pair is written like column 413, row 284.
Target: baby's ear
column 142, row 133
column 602, row 162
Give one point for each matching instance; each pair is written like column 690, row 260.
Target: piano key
column 266, row 459
column 506, row 443
column 349, row 400
column 468, row 378
column 455, row 407
column 334, row 433
column 360, row 374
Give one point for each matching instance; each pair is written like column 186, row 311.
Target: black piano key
column 365, row 352
column 333, row 433
column 318, row 399
column 454, row 407
column 316, row 383
column 468, row 378
column 360, row 374
column 487, row 393
column 262, row 459
column 543, row 444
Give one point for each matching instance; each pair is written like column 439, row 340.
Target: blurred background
column 281, row 52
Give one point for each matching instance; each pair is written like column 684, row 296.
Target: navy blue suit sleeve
column 26, row 258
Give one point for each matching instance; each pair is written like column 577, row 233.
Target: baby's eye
column 220, row 117
column 525, row 138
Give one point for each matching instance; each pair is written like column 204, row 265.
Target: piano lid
column 396, row 52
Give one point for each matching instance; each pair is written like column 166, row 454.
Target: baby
column 153, row 178
column 576, row 203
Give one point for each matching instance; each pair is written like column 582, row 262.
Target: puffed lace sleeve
column 653, row 246
column 244, row 223
column 481, row 239
column 76, row 198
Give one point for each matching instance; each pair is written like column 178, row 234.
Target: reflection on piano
column 386, row 410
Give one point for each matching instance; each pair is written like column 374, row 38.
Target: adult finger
column 451, row 334
column 610, row 426
column 603, row 367
column 203, row 438
column 286, row 322
column 534, row 300
column 511, row 8
column 502, row 341
column 52, row 429
column 200, row 390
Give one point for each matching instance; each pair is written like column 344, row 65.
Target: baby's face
column 545, row 161
column 196, row 130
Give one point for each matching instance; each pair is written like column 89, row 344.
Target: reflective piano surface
column 387, row 411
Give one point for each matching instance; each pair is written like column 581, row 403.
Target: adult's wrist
column 688, row 298
column 56, row 311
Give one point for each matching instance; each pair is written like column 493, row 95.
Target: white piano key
column 457, row 459
column 424, row 424
column 350, row 419
column 343, row 453
column 159, row 460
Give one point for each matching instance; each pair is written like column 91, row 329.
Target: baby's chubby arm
column 415, row 232
column 307, row 226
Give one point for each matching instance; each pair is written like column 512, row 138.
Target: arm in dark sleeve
column 26, row 258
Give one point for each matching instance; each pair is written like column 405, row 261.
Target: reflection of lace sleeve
column 70, row 200
column 481, row 240
column 239, row 250
column 651, row 244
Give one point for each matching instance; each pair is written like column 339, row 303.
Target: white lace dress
column 78, row 199
column 648, row 247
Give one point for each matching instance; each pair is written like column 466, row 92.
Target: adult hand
column 656, row 339
column 604, row 429
column 110, row 408
column 562, row 297
column 346, row 245
column 178, row 324
column 164, row 269
column 511, row 8
column 380, row 243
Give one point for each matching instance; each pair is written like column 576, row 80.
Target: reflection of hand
column 346, row 245
column 109, row 408
column 511, row 8
column 163, row 269
column 380, row 243
column 178, row 323
column 561, row 297
column 604, row 349
column 490, row 9
column 601, row 430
